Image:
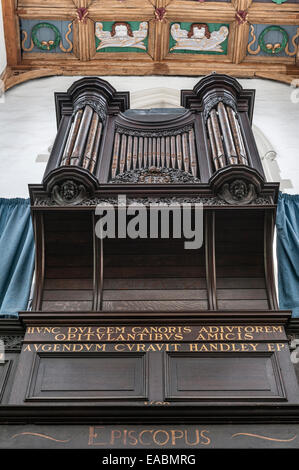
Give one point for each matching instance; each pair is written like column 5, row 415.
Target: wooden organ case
column 137, row 341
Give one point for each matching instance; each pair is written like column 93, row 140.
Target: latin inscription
column 155, row 338
column 151, row 334
column 175, row 436
column 148, row 437
column 152, row 347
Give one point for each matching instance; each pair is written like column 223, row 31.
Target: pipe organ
column 131, row 329
column 225, row 137
column 161, row 149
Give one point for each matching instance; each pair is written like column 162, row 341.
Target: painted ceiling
column 243, row 38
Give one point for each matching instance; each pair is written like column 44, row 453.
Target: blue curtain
column 287, row 224
column 16, row 255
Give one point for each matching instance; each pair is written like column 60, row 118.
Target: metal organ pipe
column 96, row 146
column 218, row 138
column 180, row 153
column 84, row 140
column 81, row 138
column 90, row 140
column 129, row 152
column 225, row 137
column 236, row 131
column 186, row 158
column 213, row 145
column 192, row 152
column 176, row 152
column 227, row 134
column 115, row 154
column 71, row 138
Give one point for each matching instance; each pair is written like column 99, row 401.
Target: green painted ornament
column 270, row 48
column 46, row 45
column 279, row 2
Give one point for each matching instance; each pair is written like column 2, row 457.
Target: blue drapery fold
column 16, row 255
column 287, row 224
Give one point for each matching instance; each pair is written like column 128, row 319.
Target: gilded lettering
column 176, row 434
column 207, row 439
column 93, row 435
column 159, row 442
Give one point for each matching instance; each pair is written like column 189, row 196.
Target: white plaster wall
column 28, row 125
column 2, row 43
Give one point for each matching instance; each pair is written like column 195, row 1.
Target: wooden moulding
column 12, row 77
column 49, row 13
column 39, row 235
column 84, row 40
column 179, row 8
column 45, row 3
column 157, row 61
column 210, row 259
column 240, row 42
column 31, row 70
column 116, row 8
column 11, row 33
column 288, row 8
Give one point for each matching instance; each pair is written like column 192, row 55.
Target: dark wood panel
column 238, row 246
column 69, row 237
column 231, row 259
column 93, row 375
column 163, row 306
column 186, row 259
column 222, row 376
column 64, row 306
column 79, row 216
column 69, row 260
column 68, row 284
column 241, row 282
column 7, row 374
column 63, row 248
column 242, row 271
column 68, row 225
column 225, row 234
column 159, row 283
column 69, row 272
column 148, row 246
column 5, row 368
column 238, row 215
column 154, row 271
column 178, row 294
column 242, row 304
column 66, row 294
column 241, row 294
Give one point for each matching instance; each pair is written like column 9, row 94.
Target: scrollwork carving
column 214, row 101
column 99, row 108
column 12, row 343
column 155, row 175
column 162, row 133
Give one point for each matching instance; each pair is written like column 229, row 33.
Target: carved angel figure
column 121, row 35
column 198, row 38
